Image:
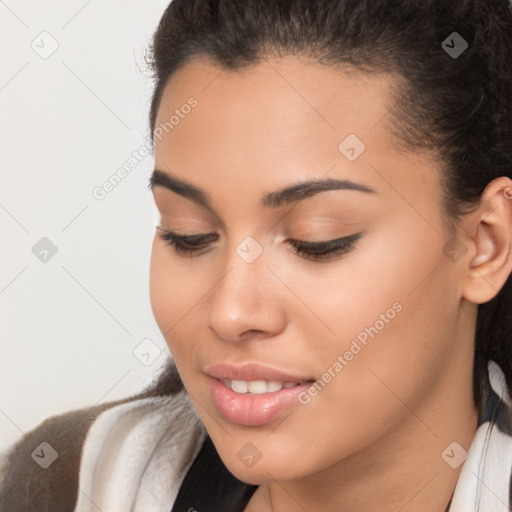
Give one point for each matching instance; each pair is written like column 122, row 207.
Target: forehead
column 281, row 119
column 280, row 93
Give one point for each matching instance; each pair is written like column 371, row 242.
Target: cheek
column 403, row 349
column 159, row 291
column 175, row 300
column 359, row 297
column 167, row 290
column 394, row 318
column 413, row 275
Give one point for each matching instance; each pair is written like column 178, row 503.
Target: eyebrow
column 288, row 195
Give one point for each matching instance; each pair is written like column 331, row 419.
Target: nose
column 245, row 302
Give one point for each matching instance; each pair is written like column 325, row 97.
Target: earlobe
column 491, row 242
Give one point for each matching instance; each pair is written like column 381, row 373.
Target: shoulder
column 101, row 453
column 46, row 460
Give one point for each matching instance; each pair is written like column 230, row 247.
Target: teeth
column 274, row 385
column 240, row 386
column 257, row 387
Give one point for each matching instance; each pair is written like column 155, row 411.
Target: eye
column 326, row 250
column 186, row 244
column 317, row 251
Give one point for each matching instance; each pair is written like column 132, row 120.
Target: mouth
column 254, row 395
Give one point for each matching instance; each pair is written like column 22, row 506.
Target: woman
column 331, row 270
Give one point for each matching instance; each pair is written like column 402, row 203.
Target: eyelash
column 316, row 251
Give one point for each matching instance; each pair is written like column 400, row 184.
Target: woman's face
column 377, row 325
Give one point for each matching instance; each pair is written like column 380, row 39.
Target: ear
column 488, row 233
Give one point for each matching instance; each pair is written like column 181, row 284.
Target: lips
column 254, row 395
column 252, row 372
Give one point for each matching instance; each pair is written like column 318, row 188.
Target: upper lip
column 251, row 372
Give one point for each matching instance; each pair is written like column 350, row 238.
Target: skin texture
column 372, row 438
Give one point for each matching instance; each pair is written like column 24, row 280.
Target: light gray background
column 68, row 122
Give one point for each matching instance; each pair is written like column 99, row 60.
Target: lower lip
column 253, row 410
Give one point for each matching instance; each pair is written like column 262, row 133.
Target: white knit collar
column 130, row 463
column 484, row 481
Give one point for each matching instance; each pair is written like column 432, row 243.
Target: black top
column 209, row 486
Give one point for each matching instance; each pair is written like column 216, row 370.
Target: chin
column 258, row 474
column 274, row 468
